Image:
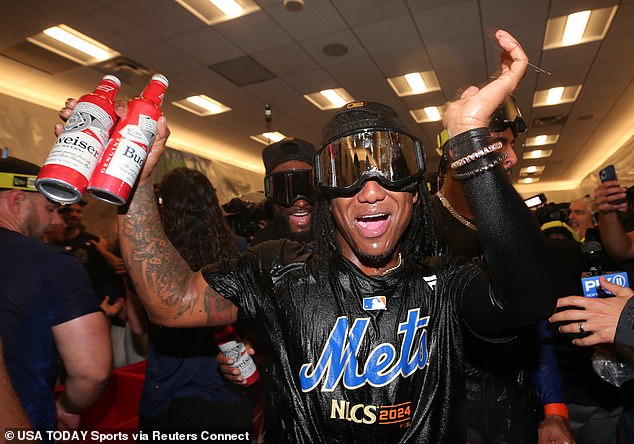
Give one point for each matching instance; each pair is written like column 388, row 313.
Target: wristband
column 476, row 155
column 556, row 408
column 469, row 142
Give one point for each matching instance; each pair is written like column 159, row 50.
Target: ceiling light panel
column 578, row 28
column 202, row 105
column 268, row 138
column 528, row 180
column 212, row 12
column 541, row 140
column 556, row 96
column 67, row 42
column 537, row 154
column 329, row 98
column 428, row 114
column 414, row 83
column 532, row 170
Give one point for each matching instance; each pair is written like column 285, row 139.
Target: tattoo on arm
column 156, row 267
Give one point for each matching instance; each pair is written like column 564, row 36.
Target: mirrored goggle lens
column 394, row 158
column 286, row 187
column 508, row 116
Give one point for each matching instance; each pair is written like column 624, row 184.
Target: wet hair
column 418, row 241
column 193, row 220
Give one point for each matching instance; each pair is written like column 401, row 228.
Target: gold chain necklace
column 445, row 203
column 394, row 267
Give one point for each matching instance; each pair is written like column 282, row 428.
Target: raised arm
column 617, row 243
column 509, row 235
column 172, row 295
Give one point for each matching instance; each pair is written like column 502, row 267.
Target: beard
column 32, row 227
column 375, row 260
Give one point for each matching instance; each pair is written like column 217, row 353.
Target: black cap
column 285, row 150
column 358, row 116
column 18, row 174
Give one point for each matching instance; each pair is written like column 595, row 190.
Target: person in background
column 183, row 389
column 502, row 400
column 317, row 305
column 581, row 217
column 47, row 309
column 289, row 184
column 607, row 320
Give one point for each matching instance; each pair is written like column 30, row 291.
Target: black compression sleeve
column 522, row 289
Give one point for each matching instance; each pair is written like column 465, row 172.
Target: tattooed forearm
column 160, row 275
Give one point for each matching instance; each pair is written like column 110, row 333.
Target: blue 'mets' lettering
column 339, row 356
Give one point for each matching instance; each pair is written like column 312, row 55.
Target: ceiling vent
column 127, row 70
column 242, row 71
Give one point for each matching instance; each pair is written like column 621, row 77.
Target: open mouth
column 372, row 225
column 300, row 218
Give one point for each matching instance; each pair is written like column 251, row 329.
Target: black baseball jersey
column 355, row 358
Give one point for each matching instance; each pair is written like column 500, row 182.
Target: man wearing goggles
column 501, row 397
column 365, row 325
column 290, row 185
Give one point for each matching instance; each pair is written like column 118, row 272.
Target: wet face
column 39, row 215
column 299, row 214
column 580, row 217
column 370, row 225
column 73, row 215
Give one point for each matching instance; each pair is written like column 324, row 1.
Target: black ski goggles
column 394, row 159
column 286, row 187
column 508, row 115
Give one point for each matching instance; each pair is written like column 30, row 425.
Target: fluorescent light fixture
column 528, row 180
column 579, row 27
column 414, row 83
column 575, row 26
column 533, row 169
column 334, row 98
column 228, row 7
column 556, row 95
column 216, row 11
column 553, row 97
column 268, row 138
column 432, row 113
column 537, row 154
column 329, row 98
column 542, row 139
column 202, row 105
column 67, row 42
column 428, row 114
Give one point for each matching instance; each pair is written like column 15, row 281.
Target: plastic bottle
column 70, row 164
column 127, row 149
column 230, row 344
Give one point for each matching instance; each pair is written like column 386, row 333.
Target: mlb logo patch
column 375, row 303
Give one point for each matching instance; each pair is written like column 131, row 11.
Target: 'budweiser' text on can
column 129, row 144
column 229, row 343
column 70, row 164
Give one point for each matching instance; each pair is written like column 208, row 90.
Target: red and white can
column 70, row 164
column 230, row 344
column 127, row 149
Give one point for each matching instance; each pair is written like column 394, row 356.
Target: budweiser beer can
column 127, row 149
column 70, row 164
